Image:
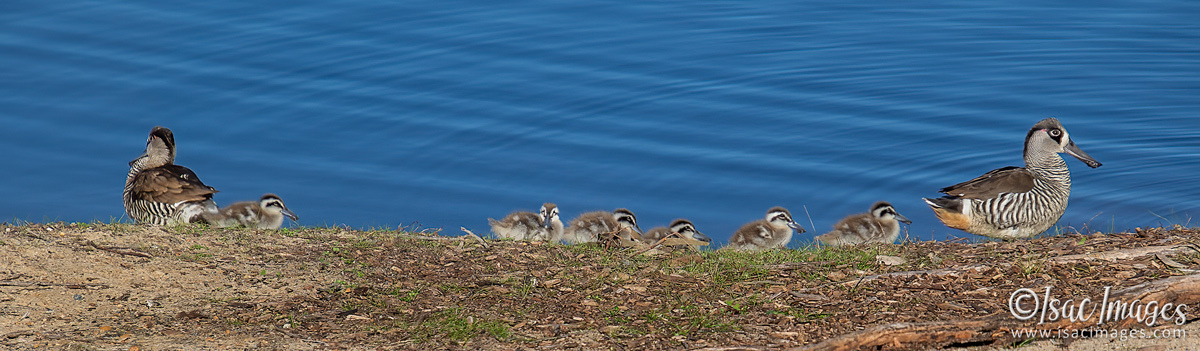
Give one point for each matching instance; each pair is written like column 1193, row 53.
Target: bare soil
column 132, row 287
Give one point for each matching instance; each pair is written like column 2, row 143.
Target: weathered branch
column 1123, row 254
column 120, row 250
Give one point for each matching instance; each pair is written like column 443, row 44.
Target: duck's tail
column 949, row 211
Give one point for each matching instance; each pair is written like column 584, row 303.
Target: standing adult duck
column 1016, row 202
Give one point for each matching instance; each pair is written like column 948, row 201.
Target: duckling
column 266, row 213
column 771, row 232
column 522, row 225
column 881, row 225
column 159, row 192
column 683, row 227
column 601, row 225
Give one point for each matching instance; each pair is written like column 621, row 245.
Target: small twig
column 423, row 237
column 13, row 335
column 14, row 283
column 120, row 250
column 610, row 239
column 810, row 222
column 794, row 265
column 614, row 238
column 35, row 236
column 69, row 286
column 674, row 237
column 857, row 283
column 652, row 246
column 477, row 237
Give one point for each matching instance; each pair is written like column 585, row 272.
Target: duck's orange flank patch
column 951, row 219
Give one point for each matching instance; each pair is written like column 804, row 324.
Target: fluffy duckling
column 881, row 225
column 266, row 213
column 683, row 227
column 601, row 225
column 522, row 225
column 771, row 232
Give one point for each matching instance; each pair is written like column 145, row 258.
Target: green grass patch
column 459, row 327
column 192, row 257
column 455, row 324
column 408, row 296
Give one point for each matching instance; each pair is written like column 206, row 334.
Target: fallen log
column 999, row 329
column 1123, row 254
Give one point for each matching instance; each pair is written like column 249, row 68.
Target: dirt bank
column 123, row 287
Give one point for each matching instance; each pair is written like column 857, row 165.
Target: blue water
column 376, row 114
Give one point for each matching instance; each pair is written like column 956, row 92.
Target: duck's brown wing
column 170, row 184
column 992, row 184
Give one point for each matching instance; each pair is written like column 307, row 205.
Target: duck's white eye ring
column 1055, row 133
